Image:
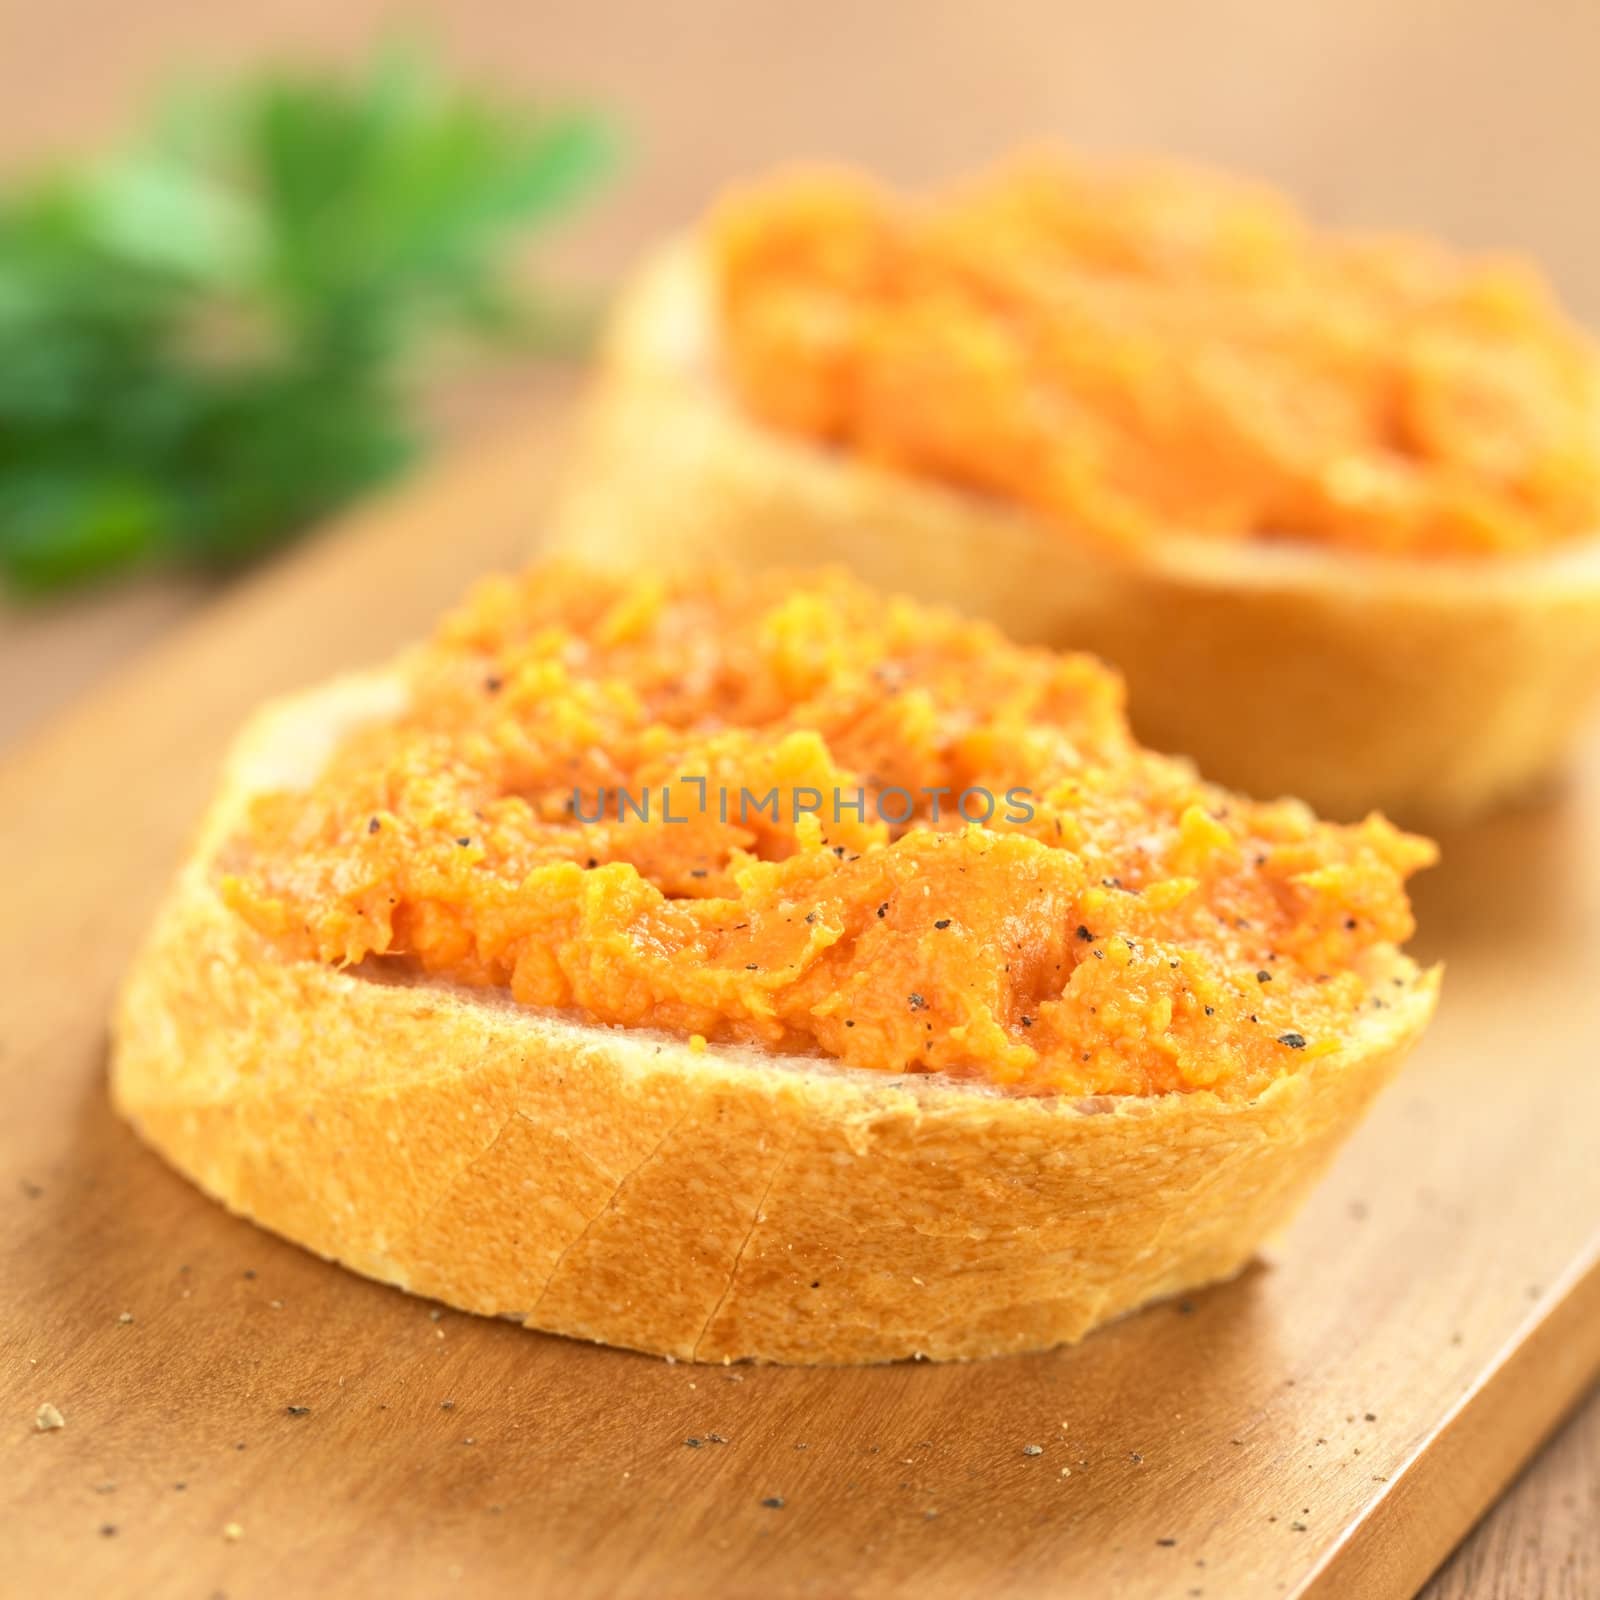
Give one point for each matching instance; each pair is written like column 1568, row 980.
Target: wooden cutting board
column 1329, row 1425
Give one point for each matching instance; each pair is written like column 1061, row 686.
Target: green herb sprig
column 209, row 341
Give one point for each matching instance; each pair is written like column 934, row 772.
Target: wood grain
column 1329, row 1425
column 1544, row 1537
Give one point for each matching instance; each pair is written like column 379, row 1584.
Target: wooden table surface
column 1475, row 120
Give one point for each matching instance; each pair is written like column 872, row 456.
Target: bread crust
column 1430, row 690
column 713, row 1205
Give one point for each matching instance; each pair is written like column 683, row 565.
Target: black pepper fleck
column 1295, row 1041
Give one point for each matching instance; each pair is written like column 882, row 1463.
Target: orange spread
column 1116, row 926
column 1131, row 350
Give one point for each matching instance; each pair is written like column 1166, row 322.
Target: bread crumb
column 232, row 1532
column 126, row 1317
column 47, row 1417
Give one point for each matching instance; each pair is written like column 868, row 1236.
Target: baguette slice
column 709, row 1205
column 1429, row 690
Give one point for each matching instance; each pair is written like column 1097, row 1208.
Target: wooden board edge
column 1459, row 1471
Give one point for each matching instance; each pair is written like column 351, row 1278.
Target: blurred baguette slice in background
column 1428, row 689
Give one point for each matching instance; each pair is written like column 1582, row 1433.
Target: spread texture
column 793, row 813
column 1141, row 350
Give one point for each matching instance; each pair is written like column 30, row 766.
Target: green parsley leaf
column 207, row 341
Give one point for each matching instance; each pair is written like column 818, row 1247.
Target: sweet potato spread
column 1132, row 350
column 875, row 831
